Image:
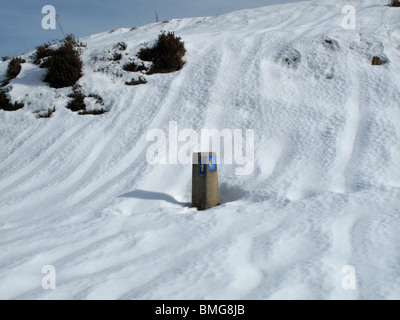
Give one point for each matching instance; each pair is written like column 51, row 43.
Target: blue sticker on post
column 212, row 164
column 202, row 168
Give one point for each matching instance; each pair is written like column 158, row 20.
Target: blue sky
column 21, row 20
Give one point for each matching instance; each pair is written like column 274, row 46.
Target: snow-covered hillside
column 78, row 193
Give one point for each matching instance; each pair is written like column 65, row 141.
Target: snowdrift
column 78, row 193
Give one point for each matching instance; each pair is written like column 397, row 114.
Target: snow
column 77, row 192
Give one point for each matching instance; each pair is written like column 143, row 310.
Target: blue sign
column 212, row 164
column 202, row 168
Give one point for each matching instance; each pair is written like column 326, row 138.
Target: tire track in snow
column 69, row 146
column 376, row 251
column 376, row 135
column 87, row 169
column 42, row 176
column 42, row 153
column 348, row 139
column 133, row 162
column 112, row 161
column 31, row 138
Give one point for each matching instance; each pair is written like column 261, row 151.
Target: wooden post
column 205, row 189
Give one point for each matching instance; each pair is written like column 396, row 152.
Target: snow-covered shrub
column 133, row 67
column 116, row 56
column 77, row 103
column 394, row 3
column 14, row 68
column 64, row 64
column 121, row 46
column 92, row 112
column 166, row 55
column 5, row 103
column 133, row 82
column 47, row 114
column 43, row 51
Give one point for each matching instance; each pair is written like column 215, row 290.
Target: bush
column 93, row 112
column 5, row 103
column 166, row 55
column 116, row 56
column 141, row 80
column 133, row 67
column 99, row 100
column 394, row 3
column 77, row 103
column 64, row 64
column 141, row 67
column 6, row 58
column 43, row 51
column 121, row 46
column 47, row 114
column 14, row 68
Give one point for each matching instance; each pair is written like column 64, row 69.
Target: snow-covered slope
column 78, row 193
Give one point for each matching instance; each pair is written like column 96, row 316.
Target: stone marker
column 205, row 190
